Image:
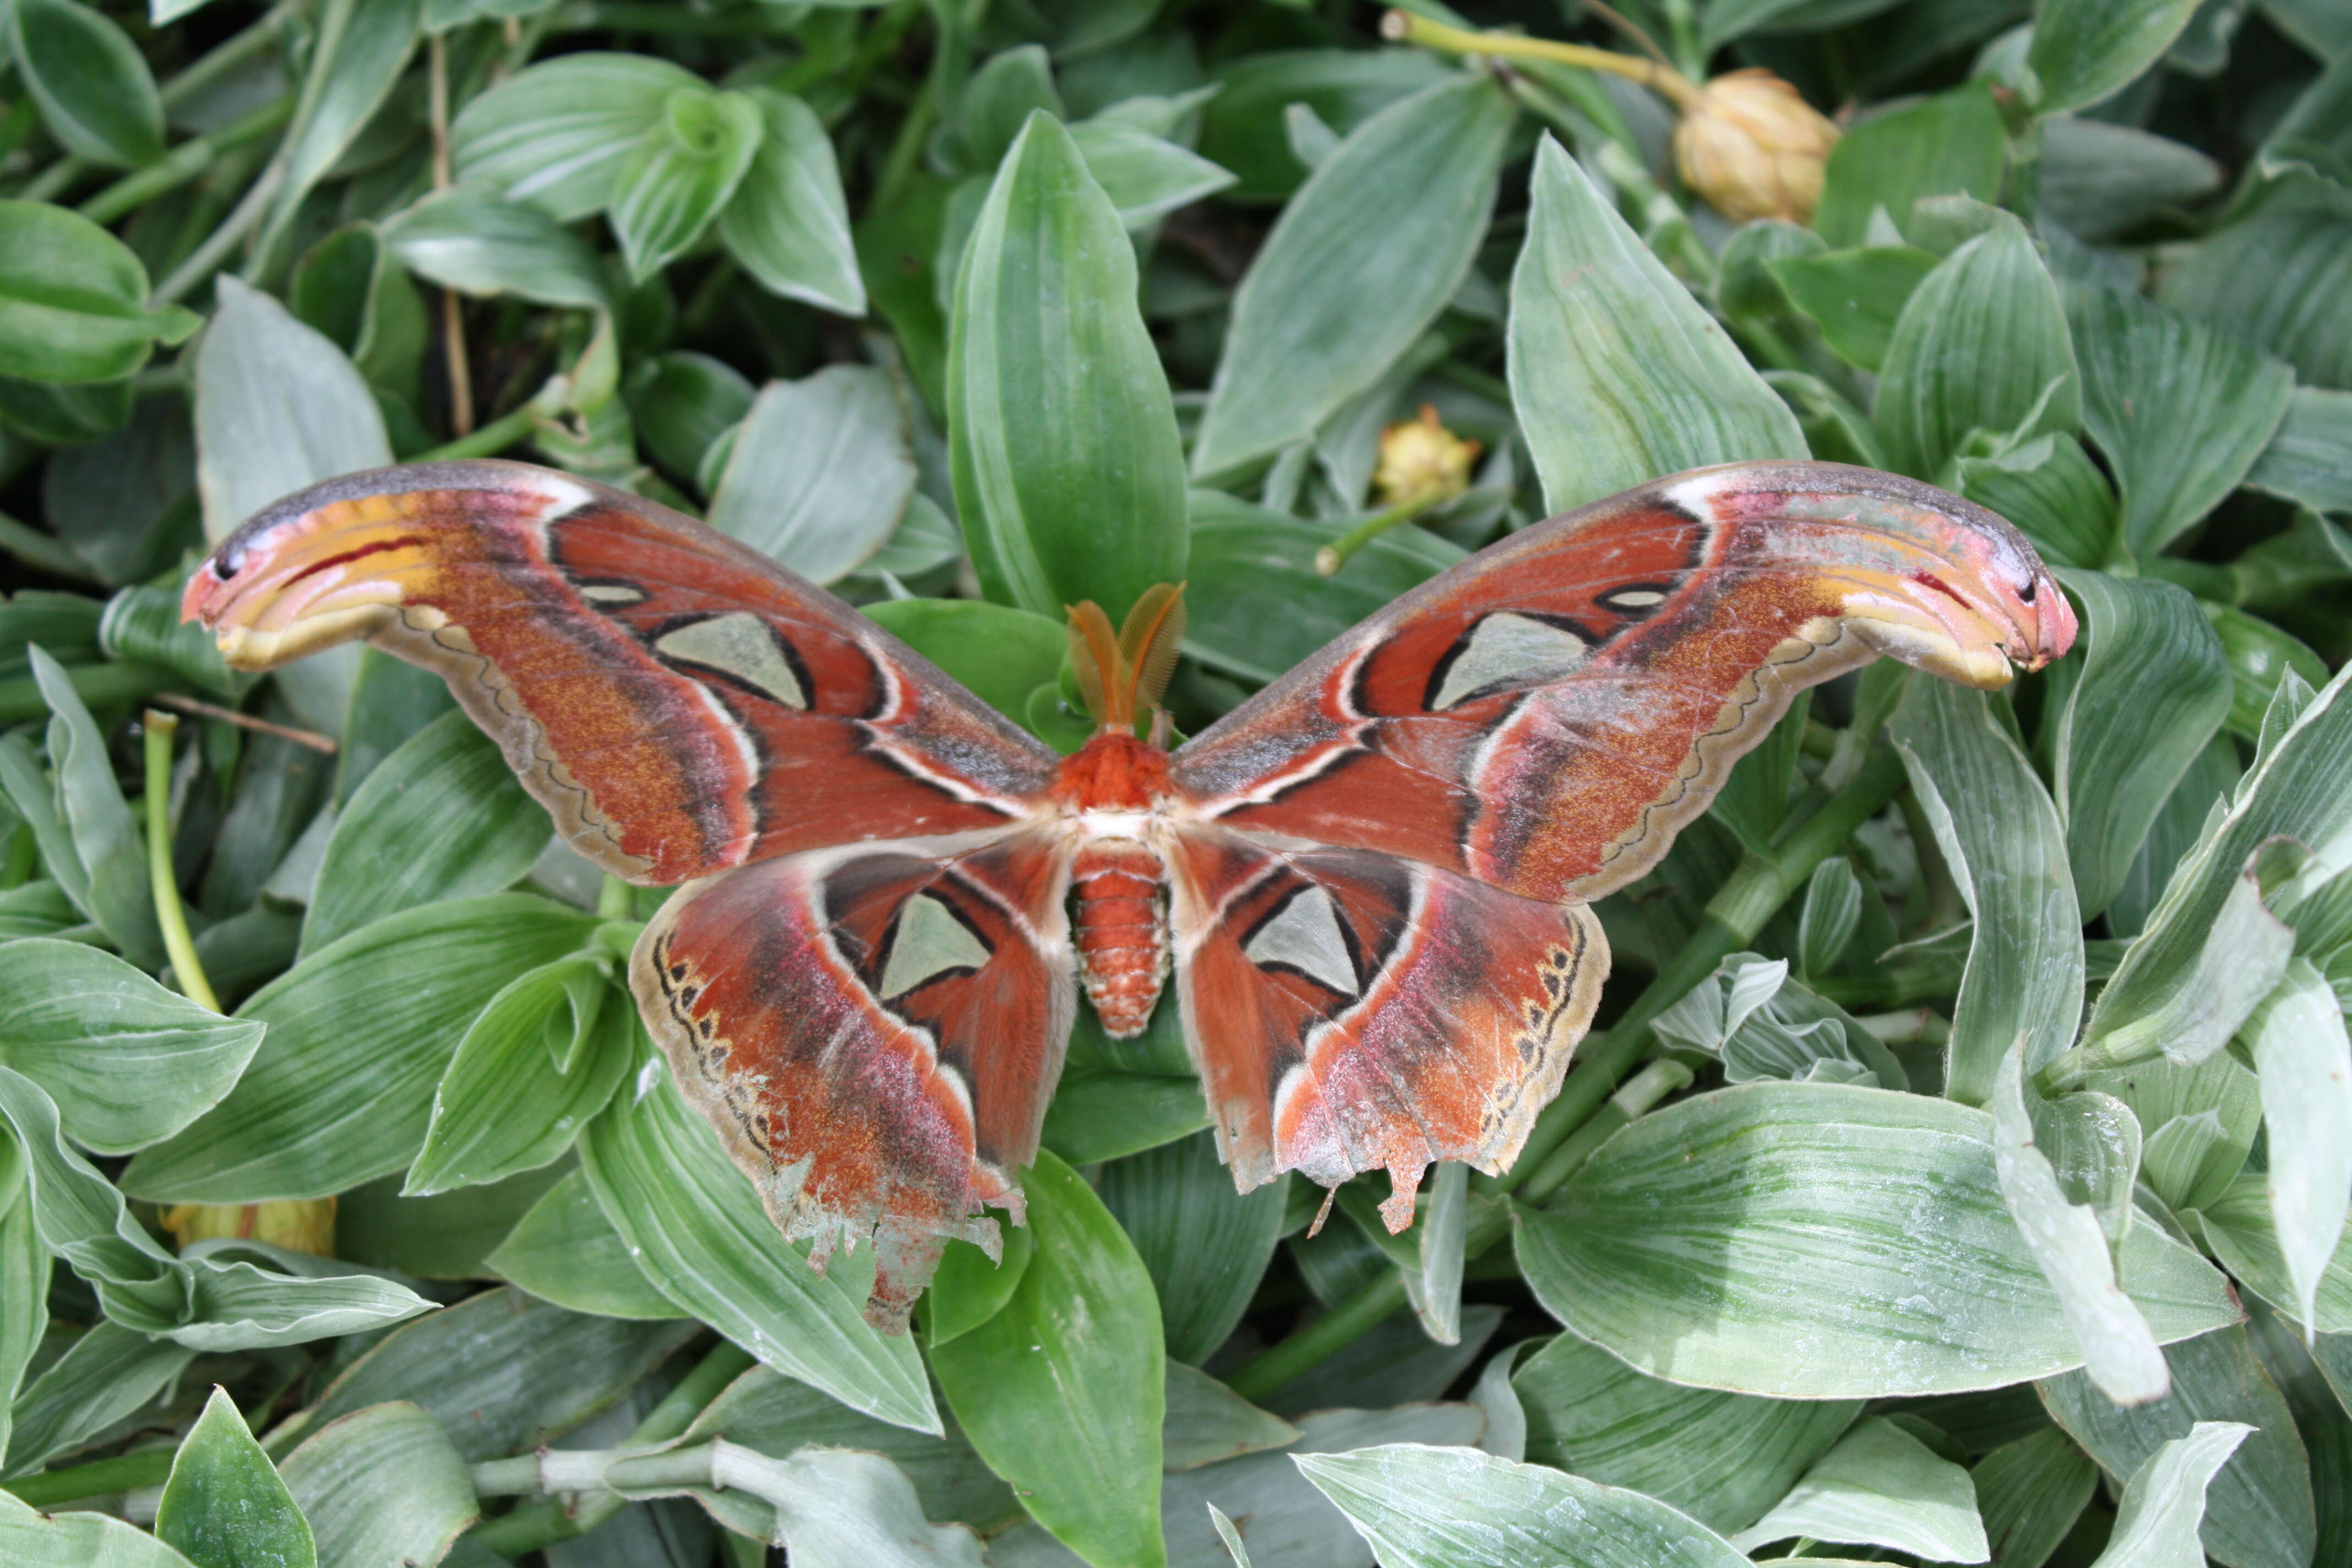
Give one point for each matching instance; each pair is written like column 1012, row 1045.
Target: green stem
column 1334, row 555
column 54, row 180
column 45, row 550
column 184, row 162
column 1321, row 1339
column 906, row 147
column 1583, row 1113
column 535, row 1524
column 489, row 440
column 98, row 685
column 169, row 914
column 231, row 54
column 101, row 1477
column 208, row 257
column 1403, row 27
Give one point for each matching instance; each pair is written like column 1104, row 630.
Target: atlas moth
column 1370, row 883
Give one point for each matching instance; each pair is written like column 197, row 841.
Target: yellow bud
column 1753, row 148
column 298, row 1225
column 1421, row 459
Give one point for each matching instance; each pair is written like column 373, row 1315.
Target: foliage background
column 1991, row 1044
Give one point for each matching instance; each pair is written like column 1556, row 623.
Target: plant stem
column 1334, row 555
column 100, row 1478
column 490, row 439
column 906, row 147
column 1403, row 27
column 452, row 309
column 98, row 685
column 1583, row 1115
column 182, row 947
column 45, row 550
column 208, row 257
column 184, row 162
column 535, row 1524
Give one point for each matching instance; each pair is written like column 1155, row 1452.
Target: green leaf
column 971, row 1286
column 1394, row 215
column 443, row 1237
column 839, row 1508
column 1205, row 1246
column 1068, row 470
column 196, row 1302
column 2067, row 1237
column 2238, row 1229
column 2154, row 687
column 1723, row 1458
column 2087, row 50
column 536, row 1064
column 1619, row 375
column 2030, row 1492
column 789, row 222
column 1832, row 913
column 2181, row 410
column 566, row 1251
column 777, row 1414
column 683, row 170
column 2259, row 1512
column 2281, row 277
column 73, row 300
column 359, row 1031
column 24, row 1279
column 102, row 833
column 2305, row 1066
column 502, row 1373
column 2262, row 657
column 2173, row 975
column 350, row 287
column 225, row 1506
column 1950, row 144
column 1002, row 655
column 381, row 1486
column 97, row 96
column 2157, row 1520
column 2309, row 458
column 37, row 1540
column 470, row 239
column 1880, row 1487
column 556, row 135
column 1435, row 1507
column 682, row 402
column 108, row 1373
column 1672, row 1250
column 995, row 105
column 1146, row 176
column 442, row 817
column 1982, row 345
column 695, row 1226
column 1100, row 1116
column 821, row 473
column 2000, row 836
column 1062, row 1391
column 361, row 50
column 127, row 1062
column 2101, row 179
column 1855, row 296
column 1257, row 603
column 1242, row 128
column 278, row 407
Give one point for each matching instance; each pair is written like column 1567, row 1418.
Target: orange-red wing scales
column 875, row 1032
column 1546, row 715
column 1351, row 1011
column 678, row 703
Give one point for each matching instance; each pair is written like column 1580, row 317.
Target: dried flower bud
column 1421, row 459
column 1753, row 148
column 298, row 1225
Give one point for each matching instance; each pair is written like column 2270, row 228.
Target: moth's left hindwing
column 1352, row 1011
column 874, row 1030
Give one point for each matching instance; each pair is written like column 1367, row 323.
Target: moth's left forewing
column 1353, row 1011
column 873, row 1031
